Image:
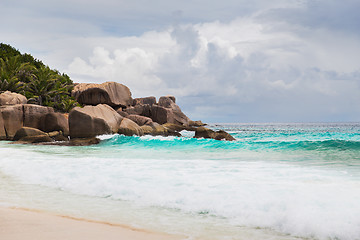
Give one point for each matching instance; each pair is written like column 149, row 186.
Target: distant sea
column 276, row 181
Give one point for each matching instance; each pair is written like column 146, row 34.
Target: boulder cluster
column 107, row 108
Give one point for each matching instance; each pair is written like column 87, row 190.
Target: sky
column 225, row 61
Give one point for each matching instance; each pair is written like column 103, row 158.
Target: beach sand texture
column 22, row 224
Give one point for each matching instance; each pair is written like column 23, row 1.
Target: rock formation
column 109, row 108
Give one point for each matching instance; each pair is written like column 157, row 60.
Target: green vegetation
column 22, row 73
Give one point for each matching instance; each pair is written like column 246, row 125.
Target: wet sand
column 23, row 224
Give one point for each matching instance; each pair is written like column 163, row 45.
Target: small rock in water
column 203, row 132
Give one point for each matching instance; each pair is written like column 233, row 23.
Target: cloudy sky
column 225, row 61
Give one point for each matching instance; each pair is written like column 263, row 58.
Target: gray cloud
column 329, row 14
column 124, row 18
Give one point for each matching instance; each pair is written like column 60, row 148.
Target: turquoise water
column 277, row 181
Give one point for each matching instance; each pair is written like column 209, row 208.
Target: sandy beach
column 23, row 224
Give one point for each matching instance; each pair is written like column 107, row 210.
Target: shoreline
column 22, row 223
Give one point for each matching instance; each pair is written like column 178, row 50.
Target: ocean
column 276, row 181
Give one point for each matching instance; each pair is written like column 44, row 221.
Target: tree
column 13, row 74
column 24, row 74
column 42, row 88
column 7, row 51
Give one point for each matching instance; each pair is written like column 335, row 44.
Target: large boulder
column 31, row 135
column 11, row 120
column 130, row 128
column 27, row 132
column 111, row 93
column 140, row 120
column 146, row 100
column 10, row 98
column 34, row 113
column 167, row 111
column 203, row 132
column 54, row 122
column 91, row 121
